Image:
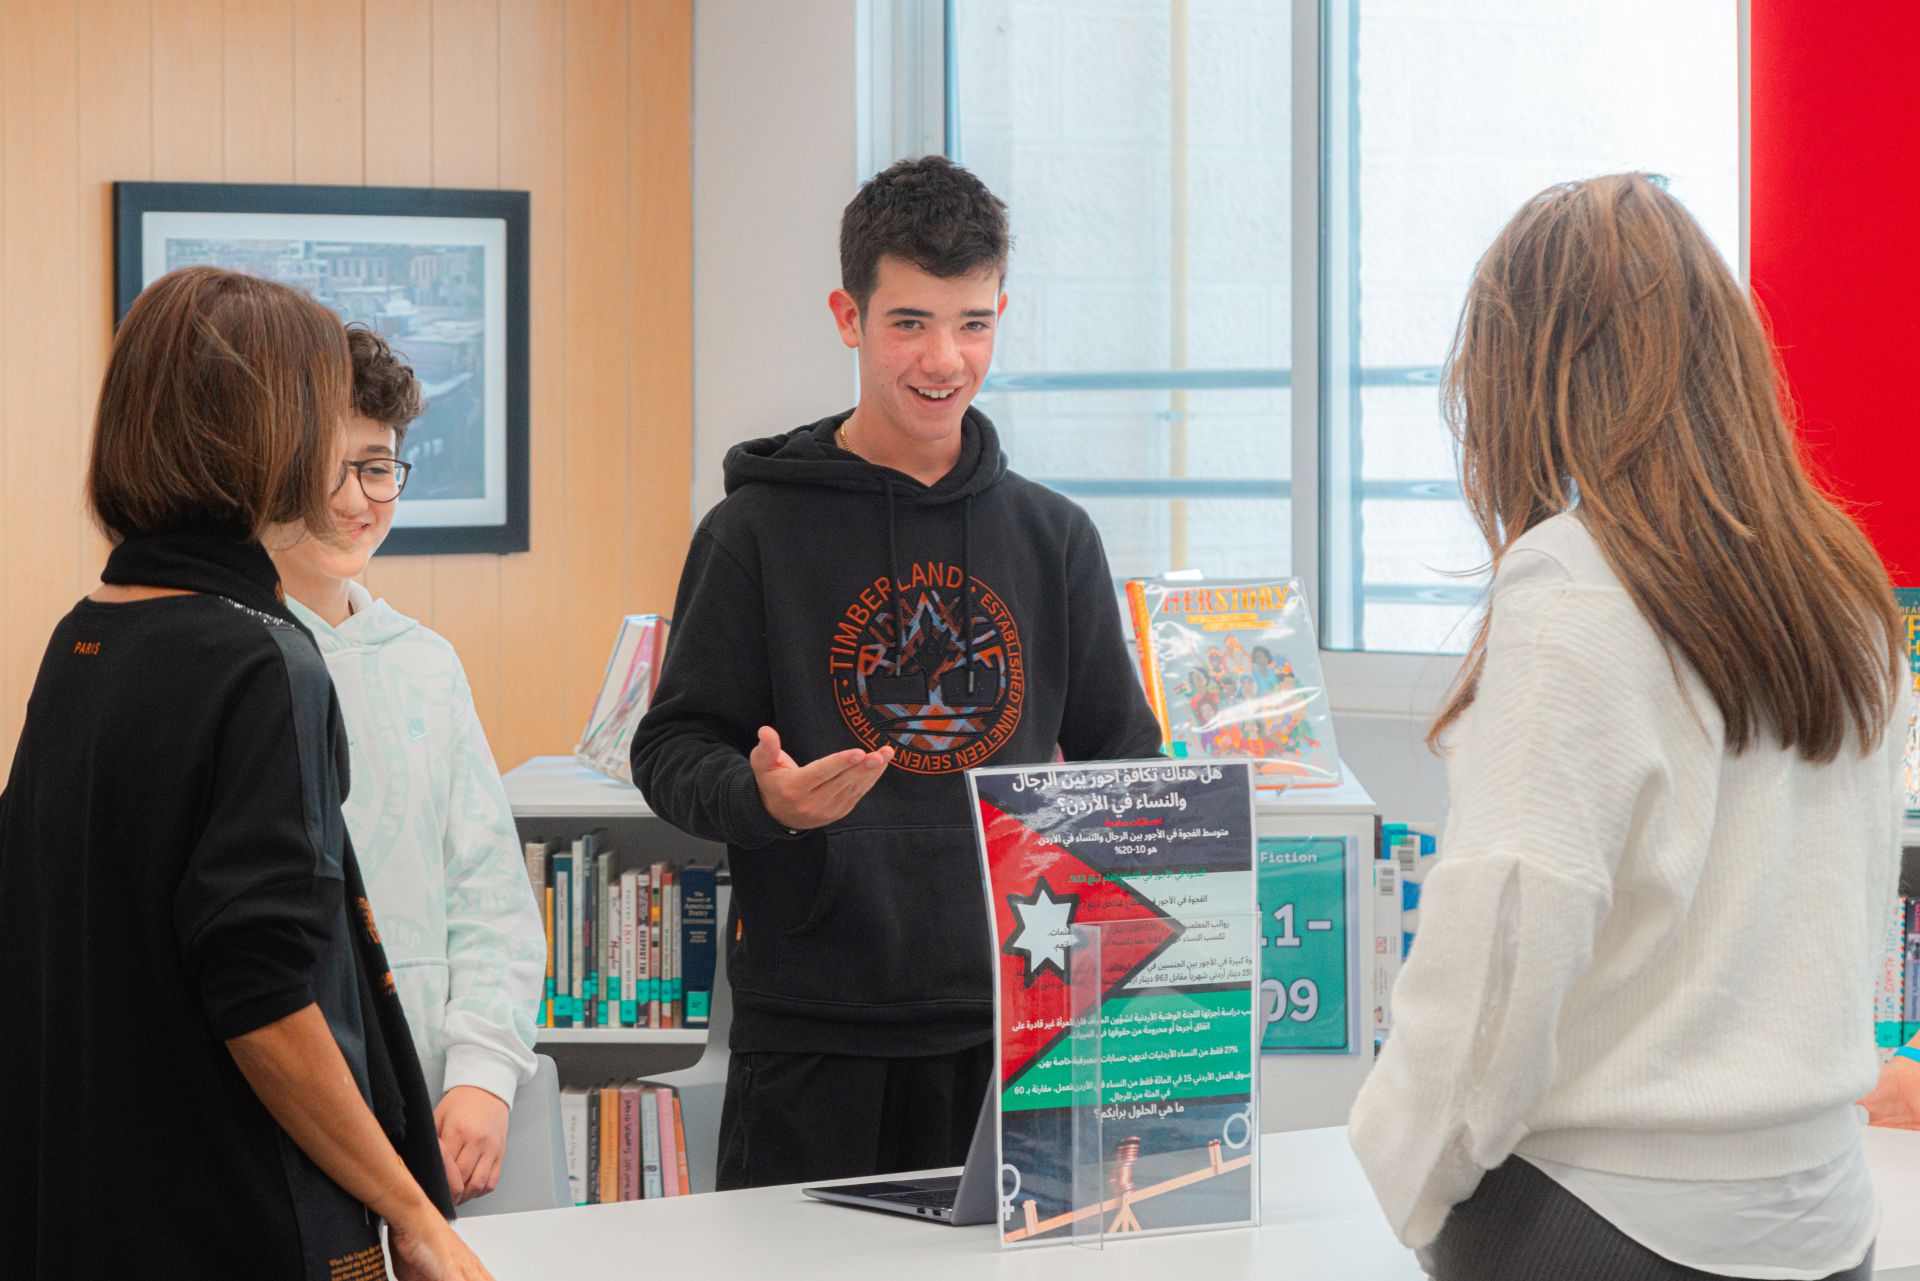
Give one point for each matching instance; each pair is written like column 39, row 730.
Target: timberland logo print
column 910, row 686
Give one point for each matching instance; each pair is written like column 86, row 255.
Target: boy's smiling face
column 925, row 343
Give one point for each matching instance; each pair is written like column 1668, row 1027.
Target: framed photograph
column 440, row 274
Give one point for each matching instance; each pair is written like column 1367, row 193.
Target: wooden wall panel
column 596, row 331
column 257, row 102
column 532, row 598
column 466, row 153
column 39, row 332
column 399, row 153
column 583, row 103
column 116, row 142
column 660, row 229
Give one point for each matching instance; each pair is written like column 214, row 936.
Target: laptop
column 961, row 1200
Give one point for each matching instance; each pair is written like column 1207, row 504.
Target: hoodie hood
column 372, row 624
column 808, row 456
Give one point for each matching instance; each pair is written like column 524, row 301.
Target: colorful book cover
column 699, row 939
column 1908, row 598
column 1160, row 855
column 1232, row 669
column 626, row 690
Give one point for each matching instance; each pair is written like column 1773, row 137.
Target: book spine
column 1889, row 996
column 593, row 1147
column 669, row 1153
column 680, row 1145
column 670, row 944
column 1911, row 1016
column 563, row 940
column 629, row 971
column 616, row 963
column 546, row 924
column 655, row 960
column 573, row 1122
column 1386, row 944
column 1149, row 661
column 699, row 935
column 642, row 954
column 650, row 1185
column 630, row 1143
column 604, row 938
column 576, row 924
column 609, row 1145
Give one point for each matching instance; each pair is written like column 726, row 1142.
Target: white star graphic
column 1044, row 935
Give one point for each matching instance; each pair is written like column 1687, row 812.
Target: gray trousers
column 1520, row 1225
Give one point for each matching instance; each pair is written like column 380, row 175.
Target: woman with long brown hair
column 1629, row 1038
column 206, row 1072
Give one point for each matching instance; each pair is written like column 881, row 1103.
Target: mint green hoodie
column 435, row 836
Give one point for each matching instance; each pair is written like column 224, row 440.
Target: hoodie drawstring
column 893, row 585
column 966, row 582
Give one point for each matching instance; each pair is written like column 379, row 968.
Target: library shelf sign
column 1125, row 920
column 1306, row 896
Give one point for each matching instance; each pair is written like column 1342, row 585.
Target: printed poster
column 1160, row 854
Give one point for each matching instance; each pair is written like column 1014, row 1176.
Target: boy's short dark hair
column 221, row 405
column 929, row 212
column 384, row 388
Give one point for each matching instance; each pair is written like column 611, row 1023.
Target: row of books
column 625, row 949
column 624, row 1142
column 1407, row 852
column 1896, row 989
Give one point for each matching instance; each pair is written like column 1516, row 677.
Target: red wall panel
column 1835, row 245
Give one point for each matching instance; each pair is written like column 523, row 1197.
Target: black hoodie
column 870, row 936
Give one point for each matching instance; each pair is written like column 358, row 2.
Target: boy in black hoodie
column 876, row 606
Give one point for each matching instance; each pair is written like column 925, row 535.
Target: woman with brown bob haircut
column 1629, row 1038
column 206, row 1070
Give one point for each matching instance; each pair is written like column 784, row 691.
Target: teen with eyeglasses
column 427, row 810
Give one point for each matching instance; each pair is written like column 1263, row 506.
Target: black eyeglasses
column 381, row 479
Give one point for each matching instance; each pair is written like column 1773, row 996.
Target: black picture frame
column 474, row 224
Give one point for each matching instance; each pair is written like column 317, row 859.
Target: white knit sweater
column 1639, row 952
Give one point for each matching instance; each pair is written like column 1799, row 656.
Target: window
column 1186, row 177
column 1145, row 152
column 1442, row 117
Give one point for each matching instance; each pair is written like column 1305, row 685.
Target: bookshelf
column 557, row 798
column 619, row 1036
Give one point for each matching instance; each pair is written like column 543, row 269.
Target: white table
column 1319, row 1221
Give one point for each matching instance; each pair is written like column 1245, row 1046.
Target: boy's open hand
column 806, row 796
